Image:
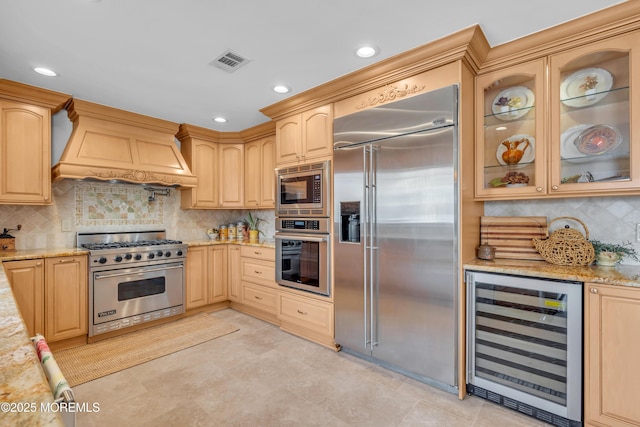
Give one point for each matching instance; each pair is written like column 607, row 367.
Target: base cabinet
column 612, row 346
column 307, row 317
column 26, row 279
column 66, row 314
column 206, row 275
column 51, row 295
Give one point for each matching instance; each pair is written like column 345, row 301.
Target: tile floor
column 262, row 376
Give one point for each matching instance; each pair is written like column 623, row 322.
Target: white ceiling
column 152, row 56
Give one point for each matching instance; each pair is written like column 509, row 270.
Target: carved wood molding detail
column 390, row 93
column 131, row 175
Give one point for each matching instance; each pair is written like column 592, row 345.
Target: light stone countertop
column 263, row 243
column 23, row 385
column 621, row 275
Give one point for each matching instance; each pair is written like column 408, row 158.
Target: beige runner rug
column 91, row 361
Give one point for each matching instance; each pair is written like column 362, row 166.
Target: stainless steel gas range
column 134, row 277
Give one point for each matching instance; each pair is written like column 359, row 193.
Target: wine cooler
column 524, row 343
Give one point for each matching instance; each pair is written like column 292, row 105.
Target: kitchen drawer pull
column 257, row 297
column 257, row 252
column 304, row 313
column 67, row 260
column 257, row 272
column 594, row 290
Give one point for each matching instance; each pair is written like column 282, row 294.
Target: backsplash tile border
column 110, row 205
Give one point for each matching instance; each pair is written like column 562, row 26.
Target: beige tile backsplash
column 610, row 219
column 97, row 207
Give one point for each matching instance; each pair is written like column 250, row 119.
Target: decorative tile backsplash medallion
column 108, row 205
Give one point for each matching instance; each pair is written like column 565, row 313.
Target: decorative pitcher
column 513, row 154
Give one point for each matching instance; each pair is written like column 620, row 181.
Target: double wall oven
column 134, row 278
column 303, row 239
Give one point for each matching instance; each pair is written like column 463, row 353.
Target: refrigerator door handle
column 365, row 236
column 373, row 256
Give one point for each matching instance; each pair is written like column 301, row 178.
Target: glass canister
column 224, row 232
column 232, row 232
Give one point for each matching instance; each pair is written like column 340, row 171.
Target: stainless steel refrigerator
column 395, row 225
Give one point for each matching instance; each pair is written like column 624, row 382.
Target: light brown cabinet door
column 26, row 279
column 25, row 154
column 66, row 302
column 289, row 140
column 231, row 175
column 268, row 174
column 317, row 133
column 202, row 158
column 593, row 143
column 260, row 178
column 252, row 170
column 233, row 273
column 510, row 115
column 196, row 292
column 217, row 273
column 612, row 346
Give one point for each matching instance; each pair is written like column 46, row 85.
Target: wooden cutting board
column 511, row 235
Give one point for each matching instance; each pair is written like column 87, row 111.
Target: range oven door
column 122, row 293
column 302, row 261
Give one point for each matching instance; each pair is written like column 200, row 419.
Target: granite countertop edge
column 621, row 275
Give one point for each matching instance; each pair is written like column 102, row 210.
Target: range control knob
column 179, row 253
column 159, row 253
column 118, row 258
column 128, row 256
column 167, row 254
column 102, row 260
column 138, row 257
column 151, row 256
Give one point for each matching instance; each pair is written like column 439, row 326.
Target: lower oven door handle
column 305, row 237
column 106, row 276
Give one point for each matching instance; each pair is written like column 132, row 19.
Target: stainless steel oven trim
column 306, row 209
column 142, row 271
column 325, row 265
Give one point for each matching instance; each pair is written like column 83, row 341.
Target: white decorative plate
column 529, row 153
column 573, row 89
column 513, row 103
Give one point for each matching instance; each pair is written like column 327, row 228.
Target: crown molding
column 468, row 45
column 21, row 92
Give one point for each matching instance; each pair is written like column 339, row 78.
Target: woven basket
column 566, row 246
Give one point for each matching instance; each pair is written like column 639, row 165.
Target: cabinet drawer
column 256, row 271
column 262, row 298
column 308, row 313
column 267, row 254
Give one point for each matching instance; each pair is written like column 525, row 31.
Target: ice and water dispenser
column 350, row 222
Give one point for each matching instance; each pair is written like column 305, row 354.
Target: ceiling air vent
column 229, row 61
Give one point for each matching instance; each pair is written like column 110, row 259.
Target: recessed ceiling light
column 366, row 51
column 501, row 128
column 220, row 120
column 45, row 71
column 281, row 89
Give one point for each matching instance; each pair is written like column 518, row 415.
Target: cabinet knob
column 554, row 187
column 539, row 189
column 594, row 290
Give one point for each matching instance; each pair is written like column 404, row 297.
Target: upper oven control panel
column 306, row 225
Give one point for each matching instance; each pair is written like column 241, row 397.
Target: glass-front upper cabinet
column 592, row 137
column 510, row 139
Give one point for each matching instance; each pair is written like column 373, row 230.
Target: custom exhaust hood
column 115, row 145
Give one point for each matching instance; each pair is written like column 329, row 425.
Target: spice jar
column 232, row 232
column 224, row 232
